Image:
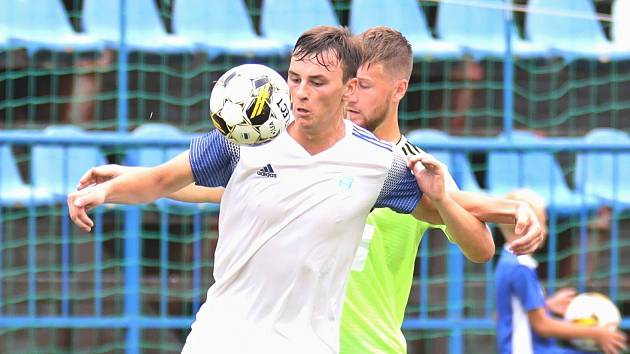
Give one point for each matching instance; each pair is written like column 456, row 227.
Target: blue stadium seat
column 479, row 27
column 285, row 20
column 570, row 28
column 405, row 16
column 536, row 170
column 43, row 25
column 153, row 156
column 58, row 169
column 620, row 27
column 603, row 174
column 221, row 27
column 145, row 30
column 4, row 30
column 13, row 191
column 457, row 163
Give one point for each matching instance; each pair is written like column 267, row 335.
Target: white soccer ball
column 592, row 309
column 250, row 104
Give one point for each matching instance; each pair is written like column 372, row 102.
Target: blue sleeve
column 213, row 158
column 400, row 191
column 526, row 287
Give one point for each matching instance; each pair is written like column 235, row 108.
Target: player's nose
column 301, row 91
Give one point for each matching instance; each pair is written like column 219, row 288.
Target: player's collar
column 402, row 141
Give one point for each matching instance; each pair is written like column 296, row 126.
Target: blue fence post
column 132, row 278
column 614, row 232
column 122, row 70
column 508, row 74
column 455, row 269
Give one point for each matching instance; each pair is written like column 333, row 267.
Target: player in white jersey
column 278, row 286
column 287, row 238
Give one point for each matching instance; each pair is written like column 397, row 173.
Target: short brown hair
column 316, row 41
column 384, row 45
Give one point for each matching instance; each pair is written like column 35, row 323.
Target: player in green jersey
column 381, row 277
column 380, row 281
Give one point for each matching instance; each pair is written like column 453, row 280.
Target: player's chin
column 356, row 118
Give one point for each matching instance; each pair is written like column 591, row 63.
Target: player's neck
column 389, row 129
column 315, row 141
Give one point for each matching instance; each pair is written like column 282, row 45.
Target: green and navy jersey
column 380, row 280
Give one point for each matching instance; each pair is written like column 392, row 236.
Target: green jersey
column 379, row 283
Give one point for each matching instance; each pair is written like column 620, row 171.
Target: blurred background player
column 524, row 322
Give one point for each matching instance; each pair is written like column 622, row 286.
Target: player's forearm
column 553, row 328
column 146, row 185
column 470, row 234
column 198, row 194
column 139, row 187
column 487, row 209
column 191, row 193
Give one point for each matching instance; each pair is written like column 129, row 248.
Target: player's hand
column 429, row 173
column 529, row 229
column 100, row 174
column 558, row 302
column 79, row 203
column 611, row 340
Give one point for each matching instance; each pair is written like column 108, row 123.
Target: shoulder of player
column 369, row 140
column 214, row 142
column 409, row 149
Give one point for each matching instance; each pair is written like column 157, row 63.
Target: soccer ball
column 250, row 104
column 592, row 309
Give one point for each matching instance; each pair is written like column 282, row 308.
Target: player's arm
column 559, row 301
column 496, row 210
column 191, row 193
column 484, row 208
column 611, row 342
column 470, row 234
column 141, row 186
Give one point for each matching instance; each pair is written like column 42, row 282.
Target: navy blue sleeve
column 526, row 287
column 400, row 191
column 213, row 158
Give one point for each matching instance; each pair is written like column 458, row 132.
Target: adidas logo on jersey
column 267, row 171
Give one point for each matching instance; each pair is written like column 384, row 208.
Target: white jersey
column 289, row 226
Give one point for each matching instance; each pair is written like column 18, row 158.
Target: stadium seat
column 479, row 28
column 536, row 170
column 620, row 26
column 13, row 191
column 4, row 30
column 57, row 169
column 44, row 25
column 570, row 28
column 285, row 20
column 457, row 163
column 603, row 174
column 145, row 30
column 405, row 16
column 153, row 156
column 221, row 27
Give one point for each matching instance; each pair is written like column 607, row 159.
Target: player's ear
column 401, row 89
column 349, row 88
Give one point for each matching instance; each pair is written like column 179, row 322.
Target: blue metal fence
column 134, row 320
